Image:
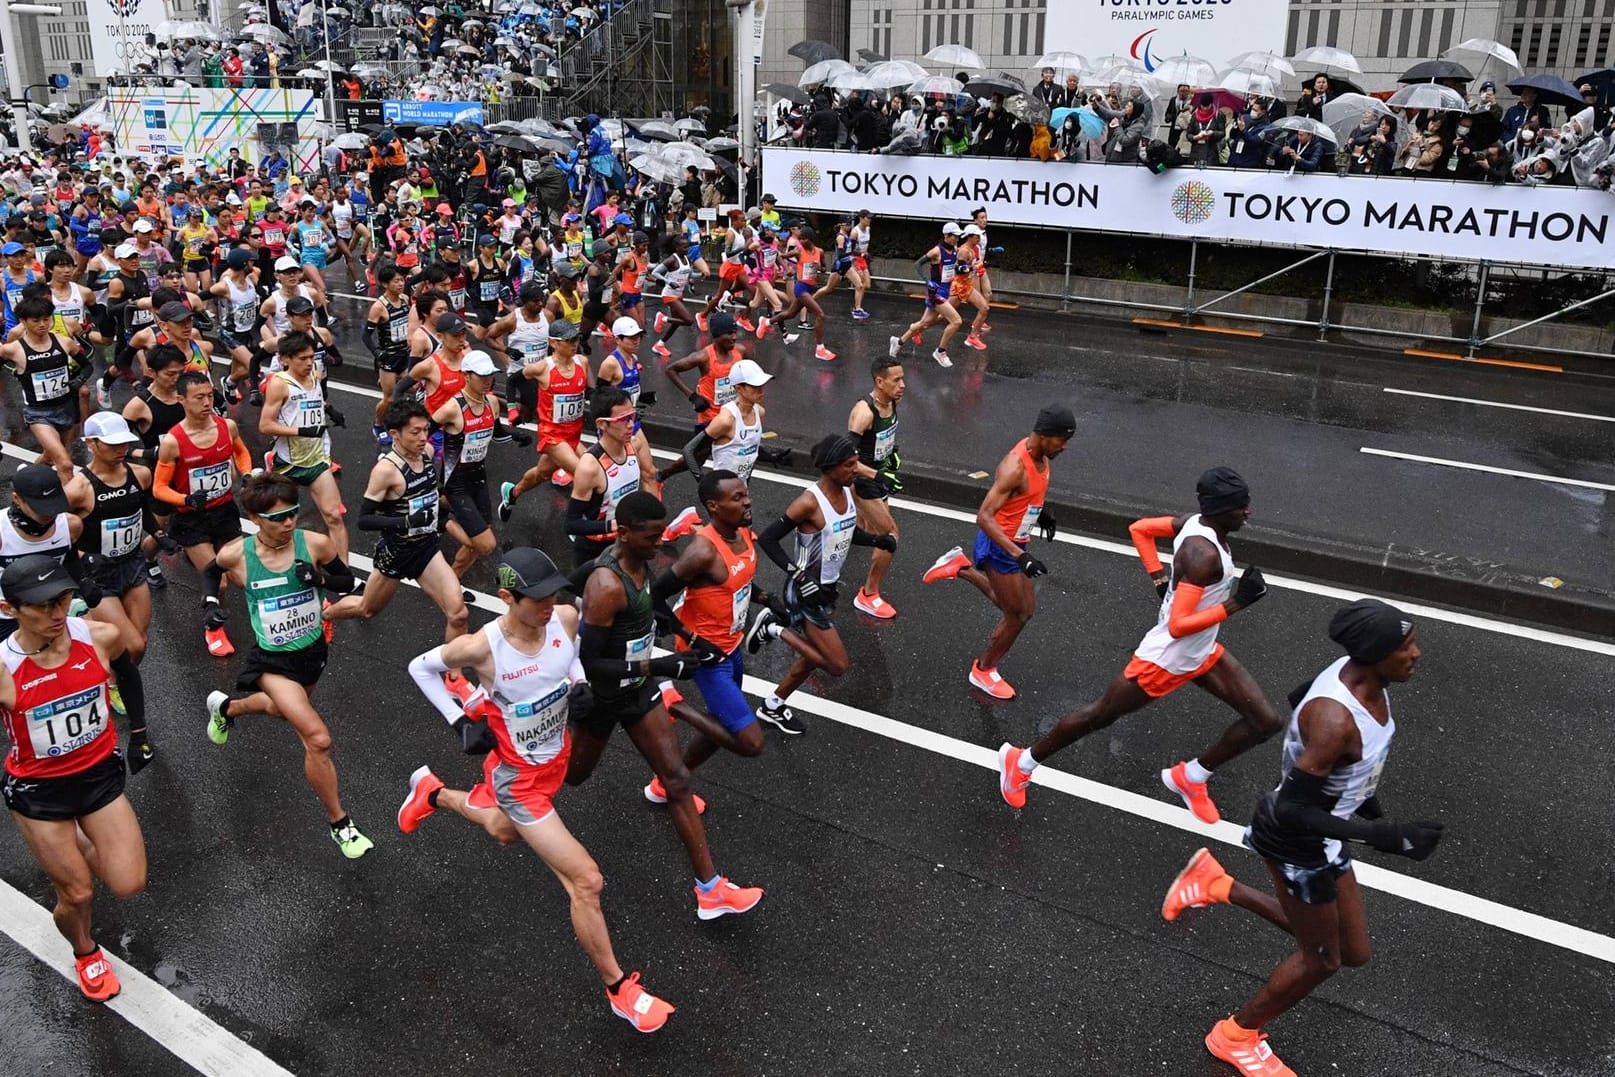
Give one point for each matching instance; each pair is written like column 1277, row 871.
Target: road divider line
column 1487, row 469
column 1501, row 404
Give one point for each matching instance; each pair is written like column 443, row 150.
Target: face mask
column 27, row 524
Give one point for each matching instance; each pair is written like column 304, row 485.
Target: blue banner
column 440, row 113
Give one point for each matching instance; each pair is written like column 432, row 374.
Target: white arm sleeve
column 427, row 670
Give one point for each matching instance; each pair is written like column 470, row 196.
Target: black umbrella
column 1551, row 90
column 987, row 85
column 811, row 52
column 793, row 94
column 1602, row 81
column 517, row 142
column 1338, row 84
column 870, row 56
column 1435, row 71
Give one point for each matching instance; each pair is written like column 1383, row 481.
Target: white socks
column 1195, row 772
column 1026, row 764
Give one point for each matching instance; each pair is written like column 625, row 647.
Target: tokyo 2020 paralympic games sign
column 1153, row 31
column 1551, row 226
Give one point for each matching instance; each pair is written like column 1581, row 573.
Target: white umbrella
column 1325, row 56
column 1247, row 83
column 370, row 70
column 584, row 13
column 890, row 74
column 684, row 154
column 937, row 86
column 955, row 56
column 1342, row 114
column 657, row 168
column 1268, row 63
column 353, row 140
column 1428, row 95
column 823, row 72
column 1062, row 62
column 311, row 73
column 1185, row 70
column 1485, row 46
column 1307, row 124
column 722, row 145
column 689, row 125
column 851, row 81
column 430, row 10
column 262, row 31
column 471, row 22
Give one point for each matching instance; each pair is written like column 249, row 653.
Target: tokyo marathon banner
column 1152, row 32
column 1551, row 226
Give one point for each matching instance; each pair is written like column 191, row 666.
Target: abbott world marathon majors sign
column 1562, row 226
column 1152, row 32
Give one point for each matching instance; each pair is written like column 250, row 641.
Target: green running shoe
column 353, row 844
column 218, row 726
column 115, row 697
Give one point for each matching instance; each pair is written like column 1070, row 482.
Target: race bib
column 422, row 517
column 1028, row 521
column 488, row 290
column 568, row 408
column 638, row 650
column 398, row 328
column 121, row 536
column 476, row 445
column 536, row 727
column 723, row 390
column 885, row 442
column 741, row 605
column 211, row 479
column 274, row 237
column 457, row 298
column 245, row 317
column 310, row 411
column 288, row 618
column 49, row 384
column 63, row 726
column 947, row 273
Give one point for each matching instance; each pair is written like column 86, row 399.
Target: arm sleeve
column 860, row 537
column 427, row 671
column 769, row 542
column 241, row 455
column 577, row 523
column 372, row 517
column 1185, row 620
column 212, row 580
column 1303, row 805
column 592, row 640
column 695, row 449
column 162, row 484
column 1144, row 533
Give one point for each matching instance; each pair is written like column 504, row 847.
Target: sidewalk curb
column 1516, row 598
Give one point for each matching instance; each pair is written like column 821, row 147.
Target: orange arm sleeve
column 242, row 456
column 1144, row 533
column 162, row 485
column 1185, row 620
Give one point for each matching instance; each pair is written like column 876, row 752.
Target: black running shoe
column 154, row 576
column 784, row 718
column 758, row 633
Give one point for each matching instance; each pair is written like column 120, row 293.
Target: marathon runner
column 154, row 410
column 936, row 266
column 237, row 295
column 673, row 273
column 563, row 383
column 873, row 422
column 526, row 663
column 809, row 266
column 1335, row 748
column 470, row 423
column 1200, row 593
column 294, row 415
column 613, row 468
column 386, row 333
column 281, row 572
column 522, row 337
column 731, row 440
column 64, row 775
column 1000, row 565
column 41, row 359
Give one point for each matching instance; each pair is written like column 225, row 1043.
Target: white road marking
column 1500, row 404
column 188, row 1034
column 1487, row 468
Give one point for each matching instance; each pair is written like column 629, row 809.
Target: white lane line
column 191, row 1036
column 1487, row 468
column 1500, row 404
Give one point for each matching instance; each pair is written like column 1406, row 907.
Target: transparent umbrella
column 1428, row 95
column 657, row 130
column 684, row 153
column 262, row 31
column 689, row 125
column 1325, row 56
column 1185, row 70
column 352, row 140
column 1247, row 83
column 936, row 86
column 1485, row 46
column 955, row 56
column 1342, row 114
column 823, row 71
column 850, row 82
column 370, row 70
column 722, row 145
column 1062, row 62
column 1268, row 63
column 893, row 73
column 1307, row 124
column 657, row 168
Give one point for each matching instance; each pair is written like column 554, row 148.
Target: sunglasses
column 279, row 514
column 630, row 417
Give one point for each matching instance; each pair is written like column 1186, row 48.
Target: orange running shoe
column 218, row 644
column 1012, row 781
column 1195, row 797
column 681, row 525
column 458, row 686
column 418, row 805
column 656, row 793
column 637, row 1006
column 96, row 978
column 670, row 696
column 988, row 680
column 328, row 628
column 561, row 478
column 745, row 323
column 1195, row 886
column 1245, row 1049
column 725, row 898
column 661, row 349
column 874, row 606
column 976, row 342
column 948, row 566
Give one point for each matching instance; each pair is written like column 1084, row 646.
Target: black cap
column 1221, row 489
column 531, row 290
column 40, row 488
column 35, row 580
column 300, row 304
column 721, row 324
column 175, row 312
column 1055, row 421
column 530, row 573
column 568, row 270
column 449, row 323
column 561, row 329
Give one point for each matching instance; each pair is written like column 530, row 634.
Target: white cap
column 286, row 261
column 144, row 225
column 626, row 327
column 126, row 250
column 110, row 427
column 970, row 230
column 950, row 229
column 232, row 199
column 478, row 362
column 748, row 372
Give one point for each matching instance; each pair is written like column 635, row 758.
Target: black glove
column 887, row 542
column 196, row 500
column 90, row 591
column 310, row 431
column 1031, row 565
column 333, row 417
column 1046, row 525
column 699, row 402
column 647, row 398
column 475, row 737
column 580, row 700
column 1416, row 840
column 806, row 585
column 214, row 617
column 1251, row 588
column 520, row 437
column 1162, row 585
column 705, row 651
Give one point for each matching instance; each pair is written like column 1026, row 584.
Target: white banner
column 115, row 26
column 1551, row 226
column 1154, row 31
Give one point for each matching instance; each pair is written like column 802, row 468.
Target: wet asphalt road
column 913, row 922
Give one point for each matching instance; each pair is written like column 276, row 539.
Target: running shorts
column 71, row 796
column 626, row 710
column 841, row 265
column 197, row 265
column 629, row 300
column 820, row 613
column 525, row 793
column 469, row 502
column 732, row 272
column 1158, row 682
column 1310, row 886
column 118, row 578
column 215, row 526
column 595, row 312
column 550, row 434
column 301, row 475
column 988, row 557
column 393, row 362
column 720, row 689
column 802, row 288
column 60, row 415
column 405, row 560
column 303, row 665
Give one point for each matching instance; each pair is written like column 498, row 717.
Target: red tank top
column 718, row 613
column 717, row 370
column 204, row 470
column 560, row 407
column 449, row 383
column 633, row 274
column 1021, row 511
column 60, row 724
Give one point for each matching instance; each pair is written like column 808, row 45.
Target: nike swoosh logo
column 43, row 578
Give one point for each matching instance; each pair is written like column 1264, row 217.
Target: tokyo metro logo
column 805, row 178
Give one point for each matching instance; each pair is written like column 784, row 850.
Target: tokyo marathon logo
column 1193, row 202
column 805, row 178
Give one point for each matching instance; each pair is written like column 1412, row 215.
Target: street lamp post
column 8, row 42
